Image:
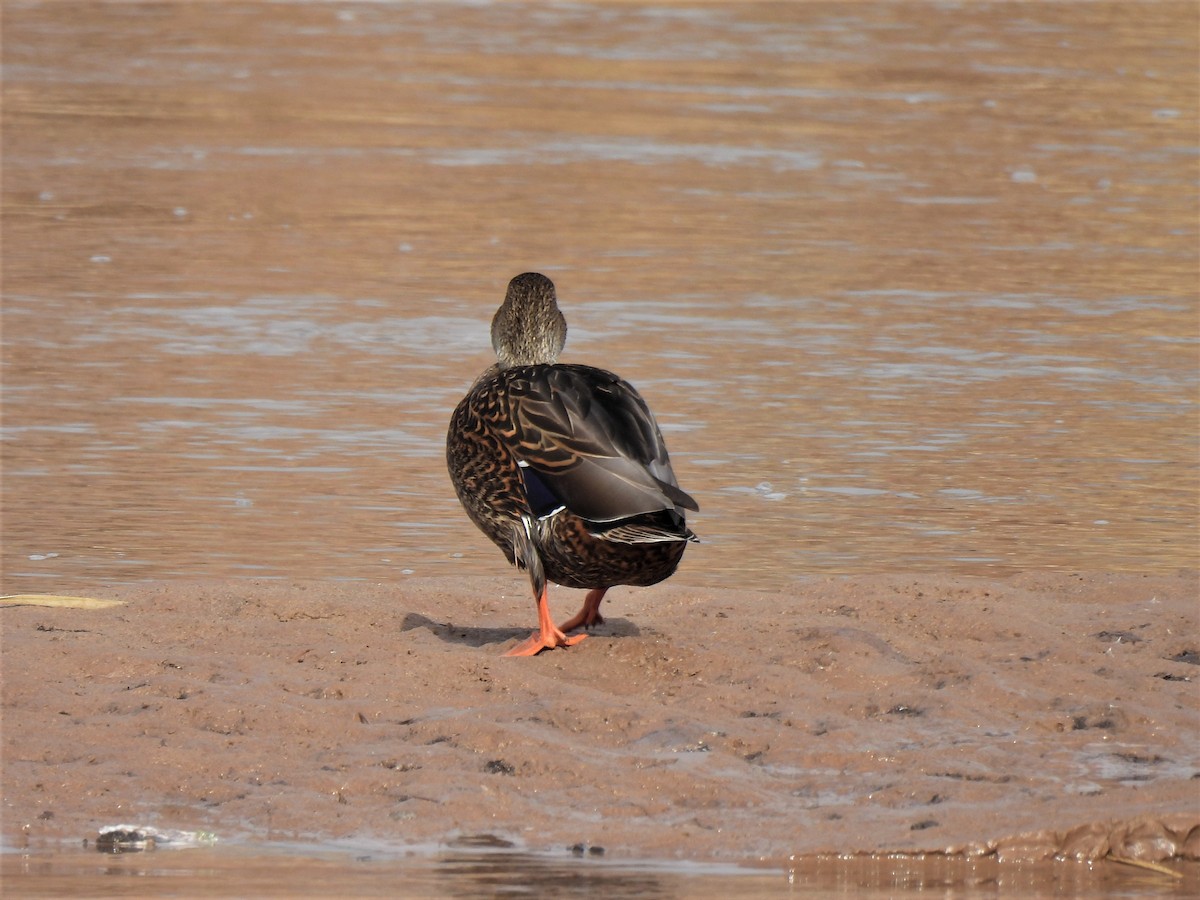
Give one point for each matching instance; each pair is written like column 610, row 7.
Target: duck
column 564, row 468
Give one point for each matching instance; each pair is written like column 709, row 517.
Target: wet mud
column 1033, row 717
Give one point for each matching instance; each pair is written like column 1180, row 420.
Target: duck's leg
column 589, row 615
column 547, row 637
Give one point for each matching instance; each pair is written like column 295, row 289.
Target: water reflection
column 279, row 871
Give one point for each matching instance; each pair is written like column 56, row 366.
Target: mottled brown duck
column 563, row 467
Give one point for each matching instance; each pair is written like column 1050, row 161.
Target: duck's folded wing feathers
column 588, row 438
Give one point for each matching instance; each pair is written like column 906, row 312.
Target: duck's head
column 528, row 328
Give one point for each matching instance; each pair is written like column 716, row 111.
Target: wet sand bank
column 1033, row 716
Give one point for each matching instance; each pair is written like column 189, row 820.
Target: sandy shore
column 1037, row 715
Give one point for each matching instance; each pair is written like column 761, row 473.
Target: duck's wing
column 586, row 440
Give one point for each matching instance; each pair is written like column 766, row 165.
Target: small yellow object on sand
column 57, row 601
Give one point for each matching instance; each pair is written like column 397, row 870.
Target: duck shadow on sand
column 477, row 636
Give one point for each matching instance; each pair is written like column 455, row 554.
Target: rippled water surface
column 909, row 286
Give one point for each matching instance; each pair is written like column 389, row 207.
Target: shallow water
column 909, row 286
column 272, row 872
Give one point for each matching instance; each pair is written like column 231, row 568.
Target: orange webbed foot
column 589, row 615
column 539, row 641
column 547, row 636
column 582, row 620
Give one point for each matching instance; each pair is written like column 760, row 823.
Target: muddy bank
column 1037, row 715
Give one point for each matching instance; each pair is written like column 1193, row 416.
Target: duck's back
column 545, row 440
